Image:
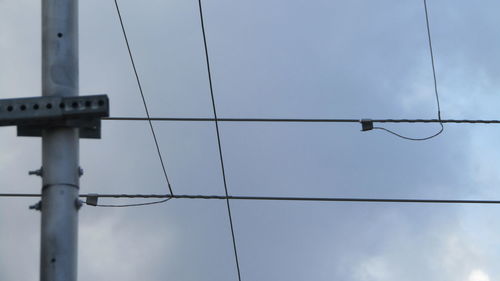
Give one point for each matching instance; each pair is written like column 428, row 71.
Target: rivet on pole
column 38, row 172
column 37, row 206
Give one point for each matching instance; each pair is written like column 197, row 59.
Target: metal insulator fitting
column 38, row 172
column 37, row 206
column 80, row 171
column 78, row 203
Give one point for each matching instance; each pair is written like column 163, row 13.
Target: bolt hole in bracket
column 32, row 115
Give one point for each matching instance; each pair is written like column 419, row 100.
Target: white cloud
column 373, row 269
column 478, row 275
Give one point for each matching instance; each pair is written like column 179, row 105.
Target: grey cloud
column 345, row 59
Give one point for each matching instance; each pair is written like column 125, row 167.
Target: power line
column 301, row 120
column 337, row 199
column 435, row 88
column 273, row 198
column 142, row 96
column 432, row 58
column 408, row 138
column 218, row 139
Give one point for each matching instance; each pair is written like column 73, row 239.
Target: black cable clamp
column 92, row 199
column 366, row 125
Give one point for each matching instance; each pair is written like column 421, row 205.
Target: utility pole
column 61, row 117
column 60, row 145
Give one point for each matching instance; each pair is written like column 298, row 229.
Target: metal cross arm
column 31, row 115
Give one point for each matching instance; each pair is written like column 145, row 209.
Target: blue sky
column 274, row 58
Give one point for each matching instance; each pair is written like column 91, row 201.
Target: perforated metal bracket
column 32, row 115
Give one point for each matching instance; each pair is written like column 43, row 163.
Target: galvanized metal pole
column 60, row 146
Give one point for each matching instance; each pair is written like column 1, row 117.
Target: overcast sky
column 271, row 58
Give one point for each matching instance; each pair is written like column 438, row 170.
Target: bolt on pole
column 60, row 145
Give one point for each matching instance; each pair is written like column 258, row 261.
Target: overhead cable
column 143, row 98
column 302, row 120
column 218, row 139
column 272, row 198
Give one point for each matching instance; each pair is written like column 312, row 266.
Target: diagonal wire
column 143, row 98
column 435, row 86
column 218, row 139
column 432, row 58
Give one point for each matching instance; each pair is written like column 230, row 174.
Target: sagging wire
column 92, row 200
column 366, row 126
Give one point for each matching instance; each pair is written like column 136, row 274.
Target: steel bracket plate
column 32, row 115
column 87, row 128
